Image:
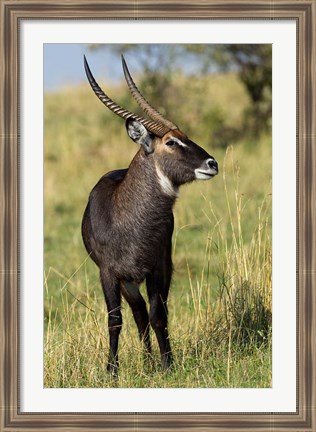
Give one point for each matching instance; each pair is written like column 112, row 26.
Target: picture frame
column 303, row 12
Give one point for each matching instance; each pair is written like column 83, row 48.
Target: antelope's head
column 177, row 159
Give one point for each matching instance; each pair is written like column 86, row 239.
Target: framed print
column 257, row 374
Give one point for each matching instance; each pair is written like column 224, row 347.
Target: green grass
column 220, row 298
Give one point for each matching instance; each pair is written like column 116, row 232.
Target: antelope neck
column 145, row 186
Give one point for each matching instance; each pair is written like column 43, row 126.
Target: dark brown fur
column 127, row 229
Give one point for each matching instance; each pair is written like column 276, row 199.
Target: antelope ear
column 139, row 134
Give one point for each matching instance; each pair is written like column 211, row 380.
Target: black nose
column 213, row 164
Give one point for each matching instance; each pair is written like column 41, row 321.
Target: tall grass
column 245, row 277
column 220, row 298
column 220, row 320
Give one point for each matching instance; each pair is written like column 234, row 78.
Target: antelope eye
column 171, row 143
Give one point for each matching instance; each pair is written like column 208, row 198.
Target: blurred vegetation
column 220, row 303
column 250, row 63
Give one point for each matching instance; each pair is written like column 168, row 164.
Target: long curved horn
column 142, row 102
column 154, row 127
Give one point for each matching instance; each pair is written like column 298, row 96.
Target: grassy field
column 220, row 299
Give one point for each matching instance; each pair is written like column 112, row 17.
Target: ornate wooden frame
column 304, row 13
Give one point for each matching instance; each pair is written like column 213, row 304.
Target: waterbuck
column 128, row 222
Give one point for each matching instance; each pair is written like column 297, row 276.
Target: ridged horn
column 142, row 102
column 154, row 127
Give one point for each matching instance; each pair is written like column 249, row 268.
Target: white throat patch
column 166, row 185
